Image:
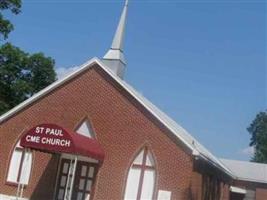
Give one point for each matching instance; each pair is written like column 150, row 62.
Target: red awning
column 55, row 139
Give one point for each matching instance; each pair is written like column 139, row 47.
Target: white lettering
column 39, row 129
column 47, row 130
column 67, row 143
column 56, row 132
column 30, row 138
column 55, row 142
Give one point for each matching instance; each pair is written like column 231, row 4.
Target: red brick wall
column 196, row 188
column 122, row 127
column 226, row 192
column 261, row 189
column 261, row 194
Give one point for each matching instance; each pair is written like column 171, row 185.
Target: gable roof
column 188, row 140
column 247, row 171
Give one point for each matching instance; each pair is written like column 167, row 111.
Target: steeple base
column 114, row 58
column 116, row 66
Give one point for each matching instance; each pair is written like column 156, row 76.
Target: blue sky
column 202, row 62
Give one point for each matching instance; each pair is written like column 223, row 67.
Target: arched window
column 20, row 165
column 141, row 177
column 85, row 129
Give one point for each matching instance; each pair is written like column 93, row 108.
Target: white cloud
column 64, row 71
column 248, row 151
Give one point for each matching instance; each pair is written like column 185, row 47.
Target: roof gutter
column 224, row 170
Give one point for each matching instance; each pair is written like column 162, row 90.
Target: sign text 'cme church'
column 49, row 137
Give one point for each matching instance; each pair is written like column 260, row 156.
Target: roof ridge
column 175, row 128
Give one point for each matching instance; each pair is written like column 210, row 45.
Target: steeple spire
column 114, row 58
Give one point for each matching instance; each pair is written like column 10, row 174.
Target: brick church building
column 91, row 136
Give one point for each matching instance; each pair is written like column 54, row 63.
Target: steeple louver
column 114, row 58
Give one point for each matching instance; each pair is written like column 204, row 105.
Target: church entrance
column 84, row 179
column 236, row 196
column 80, row 158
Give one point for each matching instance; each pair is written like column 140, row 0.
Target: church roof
column 187, row 139
column 247, row 171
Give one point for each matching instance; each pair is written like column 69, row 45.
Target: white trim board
column 237, row 190
column 8, row 197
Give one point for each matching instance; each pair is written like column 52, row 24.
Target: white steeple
column 114, row 58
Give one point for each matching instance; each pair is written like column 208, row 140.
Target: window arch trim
column 147, row 150
column 15, row 146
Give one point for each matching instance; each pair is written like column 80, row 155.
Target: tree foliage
column 42, row 71
column 5, row 25
column 258, row 132
column 22, row 75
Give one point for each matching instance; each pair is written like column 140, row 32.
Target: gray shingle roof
column 247, row 171
column 177, row 130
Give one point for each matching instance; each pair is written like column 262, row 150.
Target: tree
column 5, row 25
column 42, row 71
column 22, row 75
column 258, row 132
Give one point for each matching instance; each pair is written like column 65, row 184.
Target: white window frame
column 22, row 172
column 143, row 167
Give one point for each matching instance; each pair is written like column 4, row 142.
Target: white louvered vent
column 85, row 129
